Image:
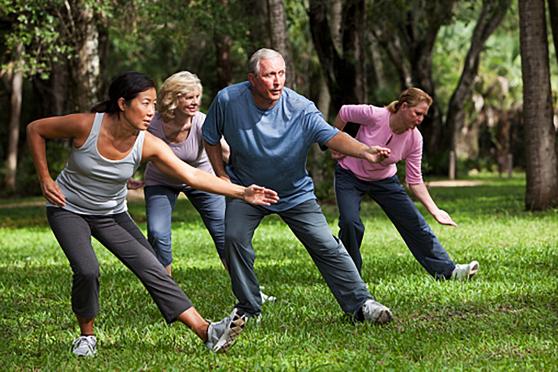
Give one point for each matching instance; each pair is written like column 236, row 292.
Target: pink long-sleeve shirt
column 375, row 130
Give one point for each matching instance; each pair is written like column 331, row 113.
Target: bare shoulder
column 73, row 126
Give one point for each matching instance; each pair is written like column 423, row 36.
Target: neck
column 120, row 127
column 180, row 120
column 180, row 123
column 262, row 102
column 396, row 123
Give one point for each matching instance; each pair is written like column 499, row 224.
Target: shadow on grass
column 490, row 199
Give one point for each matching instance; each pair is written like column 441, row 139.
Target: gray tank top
column 96, row 185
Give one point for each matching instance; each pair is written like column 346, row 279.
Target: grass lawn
column 506, row 318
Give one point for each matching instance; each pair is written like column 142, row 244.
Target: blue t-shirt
column 268, row 147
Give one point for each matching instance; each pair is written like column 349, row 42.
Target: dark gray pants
column 391, row 196
column 120, row 235
column 308, row 223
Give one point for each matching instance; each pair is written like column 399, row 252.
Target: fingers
column 445, row 219
column 133, row 184
column 382, row 151
column 335, row 155
column 260, row 195
column 53, row 194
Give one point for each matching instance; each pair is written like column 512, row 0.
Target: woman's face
column 189, row 103
column 141, row 109
column 413, row 115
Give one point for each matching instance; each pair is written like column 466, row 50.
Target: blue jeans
column 309, row 225
column 160, row 202
column 392, row 198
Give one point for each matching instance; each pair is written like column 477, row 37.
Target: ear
column 122, row 104
column 252, row 78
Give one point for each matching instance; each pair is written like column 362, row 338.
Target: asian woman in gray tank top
column 88, row 200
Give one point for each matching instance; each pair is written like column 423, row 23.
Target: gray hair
column 263, row 53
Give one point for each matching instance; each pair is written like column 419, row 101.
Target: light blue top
column 268, row 147
column 95, row 185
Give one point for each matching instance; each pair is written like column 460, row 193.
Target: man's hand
column 258, row 195
column 376, row 154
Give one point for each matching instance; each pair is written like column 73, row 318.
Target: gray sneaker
column 376, row 312
column 221, row 335
column 85, row 346
column 465, row 271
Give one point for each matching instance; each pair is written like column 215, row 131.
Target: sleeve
column 319, row 130
column 413, row 163
column 360, row 114
column 213, row 126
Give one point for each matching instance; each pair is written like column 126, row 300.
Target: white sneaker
column 85, row 346
column 221, row 335
column 267, row 298
column 465, row 271
column 376, row 312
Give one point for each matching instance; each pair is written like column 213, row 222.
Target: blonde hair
column 183, row 82
column 412, row 97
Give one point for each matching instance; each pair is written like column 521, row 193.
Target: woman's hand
column 133, row 184
column 259, row 195
column 52, row 192
column 443, row 218
column 376, row 154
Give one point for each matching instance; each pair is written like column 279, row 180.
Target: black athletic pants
column 119, row 234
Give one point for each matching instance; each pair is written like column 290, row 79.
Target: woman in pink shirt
column 393, row 126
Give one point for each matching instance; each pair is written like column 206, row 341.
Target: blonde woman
column 395, row 127
column 178, row 123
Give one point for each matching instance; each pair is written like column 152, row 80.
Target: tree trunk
column 343, row 73
column 491, row 15
column 80, row 23
column 540, row 135
column 223, row 43
column 407, row 31
column 553, row 10
column 258, row 11
column 88, row 61
column 16, row 83
column 280, row 37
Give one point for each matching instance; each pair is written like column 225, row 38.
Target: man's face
column 267, row 85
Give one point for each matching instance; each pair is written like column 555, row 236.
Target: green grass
column 507, row 318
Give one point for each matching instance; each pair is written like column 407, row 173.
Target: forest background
column 479, row 59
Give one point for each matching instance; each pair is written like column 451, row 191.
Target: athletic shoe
column 376, row 312
column 85, row 346
column 221, row 335
column 267, row 298
column 465, row 271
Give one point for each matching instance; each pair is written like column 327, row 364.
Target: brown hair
column 411, row 96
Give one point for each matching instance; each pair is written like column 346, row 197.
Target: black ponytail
column 127, row 85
